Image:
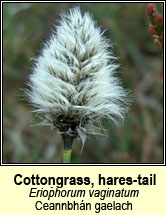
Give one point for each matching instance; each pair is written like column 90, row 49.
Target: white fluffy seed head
column 73, row 85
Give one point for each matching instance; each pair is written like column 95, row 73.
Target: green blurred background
column 139, row 140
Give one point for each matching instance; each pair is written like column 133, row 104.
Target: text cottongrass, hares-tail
column 73, row 85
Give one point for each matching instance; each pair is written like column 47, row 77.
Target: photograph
column 83, row 83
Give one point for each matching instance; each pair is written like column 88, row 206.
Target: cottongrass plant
column 73, row 85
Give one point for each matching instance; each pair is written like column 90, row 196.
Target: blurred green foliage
column 139, row 140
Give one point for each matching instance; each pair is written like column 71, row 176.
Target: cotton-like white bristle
column 73, row 84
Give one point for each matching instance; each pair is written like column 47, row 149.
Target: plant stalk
column 68, row 140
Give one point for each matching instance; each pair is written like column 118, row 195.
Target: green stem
column 68, row 140
column 67, row 156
